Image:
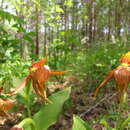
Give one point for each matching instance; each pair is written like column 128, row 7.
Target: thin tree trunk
column 118, row 18
column 109, row 21
column 1, row 6
column 90, row 6
column 37, row 31
column 94, row 22
column 23, row 44
column 45, row 42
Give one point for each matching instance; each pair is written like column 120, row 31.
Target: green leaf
column 69, row 3
column 125, row 124
column 31, row 33
column 106, row 124
column 79, row 124
column 29, row 39
column 8, row 16
column 49, row 114
column 58, row 9
column 26, row 122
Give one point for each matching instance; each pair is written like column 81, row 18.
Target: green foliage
column 69, row 3
column 27, row 122
column 79, row 124
column 10, row 42
column 61, row 27
column 49, row 114
column 13, row 70
column 4, row 15
column 123, row 124
column 119, row 120
column 91, row 64
column 7, row 40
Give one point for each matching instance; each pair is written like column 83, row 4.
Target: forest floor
column 88, row 109
column 82, row 105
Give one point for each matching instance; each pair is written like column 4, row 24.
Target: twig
column 110, row 96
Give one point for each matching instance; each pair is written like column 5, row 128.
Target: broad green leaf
column 79, row 124
column 49, row 114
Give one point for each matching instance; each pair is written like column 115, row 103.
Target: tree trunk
column 118, row 18
column 37, row 31
column 45, row 42
column 109, row 21
column 90, row 28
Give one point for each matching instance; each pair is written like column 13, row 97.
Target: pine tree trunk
column 109, row 21
column 90, row 6
column 37, row 31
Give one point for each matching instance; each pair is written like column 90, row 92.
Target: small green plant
column 48, row 114
column 122, row 124
column 79, row 124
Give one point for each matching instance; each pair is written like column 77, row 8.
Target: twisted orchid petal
column 21, row 86
column 53, row 72
column 104, row 82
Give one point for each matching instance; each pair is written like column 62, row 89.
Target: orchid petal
column 21, row 86
column 122, row 77
column 57, row 72
column 104, row 82
column 39, row 63
column 6, row 105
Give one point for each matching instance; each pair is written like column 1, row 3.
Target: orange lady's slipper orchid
column 39, row 74
column 122, row 78
column 5, row 105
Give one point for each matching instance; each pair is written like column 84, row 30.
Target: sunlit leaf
column 69, row 3
column 79, row 124
column 58, row 9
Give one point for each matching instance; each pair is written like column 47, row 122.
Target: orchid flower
column 5, row 105
column 39, row 74
column 121, row 75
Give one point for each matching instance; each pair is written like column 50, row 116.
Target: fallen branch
column 103, row 99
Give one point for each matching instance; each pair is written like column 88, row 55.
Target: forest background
column 87, row 37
